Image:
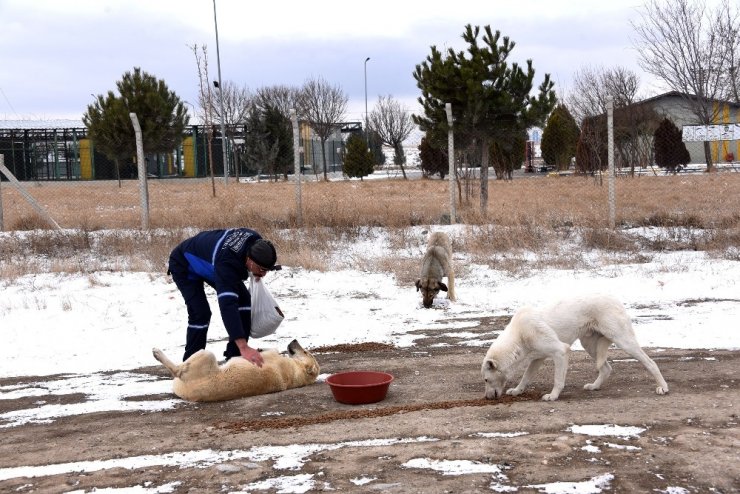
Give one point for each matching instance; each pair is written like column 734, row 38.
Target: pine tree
column 161, row 114
column 491, row 98
column 260, row 148
column 108, row 123
column 670, row 151
column 559, row 138
column 358, row 160
column 375, row 143
column 279, row 134
column 433, row 160
column 508, row 154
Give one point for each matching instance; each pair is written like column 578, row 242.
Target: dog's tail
column 171, row 366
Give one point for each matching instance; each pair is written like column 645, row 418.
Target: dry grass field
column 101, row 221
column 83, row 430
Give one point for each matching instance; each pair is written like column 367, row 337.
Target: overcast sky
column 55, row 54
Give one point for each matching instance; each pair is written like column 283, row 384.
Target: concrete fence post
column 140, row 161
column 610, row 151
column 451, row 159
column 297, row 166
column 2, row 164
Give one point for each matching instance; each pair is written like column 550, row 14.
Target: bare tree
column 282, row 97
column 729, row 31
column 680, row 42
column 593, row 86
column 237, row 101
column 323, row 106
column 634, row 131
column 392, row 121
column 205, row 101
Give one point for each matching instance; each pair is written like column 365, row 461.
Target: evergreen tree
column 161, row 114
column 108, row 123
column 670, row 151
column 433, row 160
column 375, row 143
column 279, row 135
column 508, row 155
column 260, row 150
column 559, row 138
column 491, row 99
column 358, row 160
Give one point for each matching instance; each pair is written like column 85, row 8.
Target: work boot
column 232, row 350
column 195, row 340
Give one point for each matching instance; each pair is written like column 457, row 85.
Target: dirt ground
column 434, row 411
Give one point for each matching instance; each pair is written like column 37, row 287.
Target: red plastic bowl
column 359, row 387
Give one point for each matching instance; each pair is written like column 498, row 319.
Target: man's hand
column 253, row 356
column 249, row 353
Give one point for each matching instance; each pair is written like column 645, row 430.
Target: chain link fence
column 57, row 178
column 61, row 168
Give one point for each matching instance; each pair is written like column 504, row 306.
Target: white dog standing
column 536, row 334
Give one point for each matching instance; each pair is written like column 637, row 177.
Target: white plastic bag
column 266, row 314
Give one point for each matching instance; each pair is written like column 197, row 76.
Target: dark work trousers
column 199, row 315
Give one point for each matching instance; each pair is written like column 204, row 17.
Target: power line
column 8, row 102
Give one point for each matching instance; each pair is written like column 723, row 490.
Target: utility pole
column 367, row 135
column 219, row 86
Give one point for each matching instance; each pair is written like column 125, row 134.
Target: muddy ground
column 432, row 416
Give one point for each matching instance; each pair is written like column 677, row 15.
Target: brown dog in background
column 436, row 264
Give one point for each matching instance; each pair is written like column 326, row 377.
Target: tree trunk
column 236, row 163
column 118, row 171
column 484, row 176
column 708, row 156
column 323, row 158
column 210, row 164
column 398, row 158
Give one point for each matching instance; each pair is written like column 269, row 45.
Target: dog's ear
column 490, row 365
column 442, row 286
column 418, row 285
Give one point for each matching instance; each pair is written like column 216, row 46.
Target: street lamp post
column 221, row 100
column 192, row 108
column 367, row 137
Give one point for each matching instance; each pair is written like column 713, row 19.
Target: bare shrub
column 30, row 222
column 404, row 239
column 672, row 219
column 523, row 228
column 406, row 270
column 702, row 200
column 53, row 243
column 677, row 238
column 489, row 239
column 606, row 239
column 726, row 242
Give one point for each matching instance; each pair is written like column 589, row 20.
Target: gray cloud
column 57, row 59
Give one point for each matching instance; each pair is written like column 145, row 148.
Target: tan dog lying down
column 200, row 378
